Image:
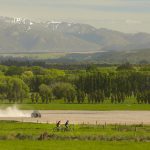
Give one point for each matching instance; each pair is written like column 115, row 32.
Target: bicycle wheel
column 55, row 129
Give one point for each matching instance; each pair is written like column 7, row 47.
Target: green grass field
column 23, row 136
column 92, row 107
column 35, row 55
column 9, row 130
column 72, row 145
column 129, row 104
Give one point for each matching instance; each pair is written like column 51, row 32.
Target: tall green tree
column 45, row 93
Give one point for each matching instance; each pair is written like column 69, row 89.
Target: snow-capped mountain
column 16, row 20
column 20, row 34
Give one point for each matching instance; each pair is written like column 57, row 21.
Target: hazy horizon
column 126, row 16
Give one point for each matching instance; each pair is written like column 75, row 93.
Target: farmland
column 39, row 55
column 91, row 107
column 108, row 107
column 74, row 75
column 15, row 135
column 73, row 145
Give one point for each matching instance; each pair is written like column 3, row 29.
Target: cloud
column 124, row 15
column 129, row 21
column 97, row 5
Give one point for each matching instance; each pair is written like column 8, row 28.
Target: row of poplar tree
column 115, row 86
column 44, row 86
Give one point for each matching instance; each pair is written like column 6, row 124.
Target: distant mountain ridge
column 24, row 35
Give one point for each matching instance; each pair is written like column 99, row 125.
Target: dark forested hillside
column 110, row 57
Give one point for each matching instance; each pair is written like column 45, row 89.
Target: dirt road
column 92, row 117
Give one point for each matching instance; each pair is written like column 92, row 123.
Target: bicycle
column 63, row 129
column 56, row 129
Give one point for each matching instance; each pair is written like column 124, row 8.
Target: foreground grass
column 11, row 130
column 96, row 107
column 72, row 145
column 25, row 136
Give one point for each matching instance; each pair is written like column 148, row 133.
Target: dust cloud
column 13, row 112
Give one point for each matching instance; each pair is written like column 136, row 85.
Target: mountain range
column 24, row 35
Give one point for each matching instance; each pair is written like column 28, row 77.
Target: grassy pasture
column 35, row 55
column 129, row 104
column 72, row 145
column 9, row 130
column 96, row 107
column 22, row 136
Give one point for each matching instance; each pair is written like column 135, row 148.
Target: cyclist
column 58, row 124
column 67, row 124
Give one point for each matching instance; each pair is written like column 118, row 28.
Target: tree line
column 92, row 85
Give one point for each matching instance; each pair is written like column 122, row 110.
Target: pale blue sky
column 122, row 15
